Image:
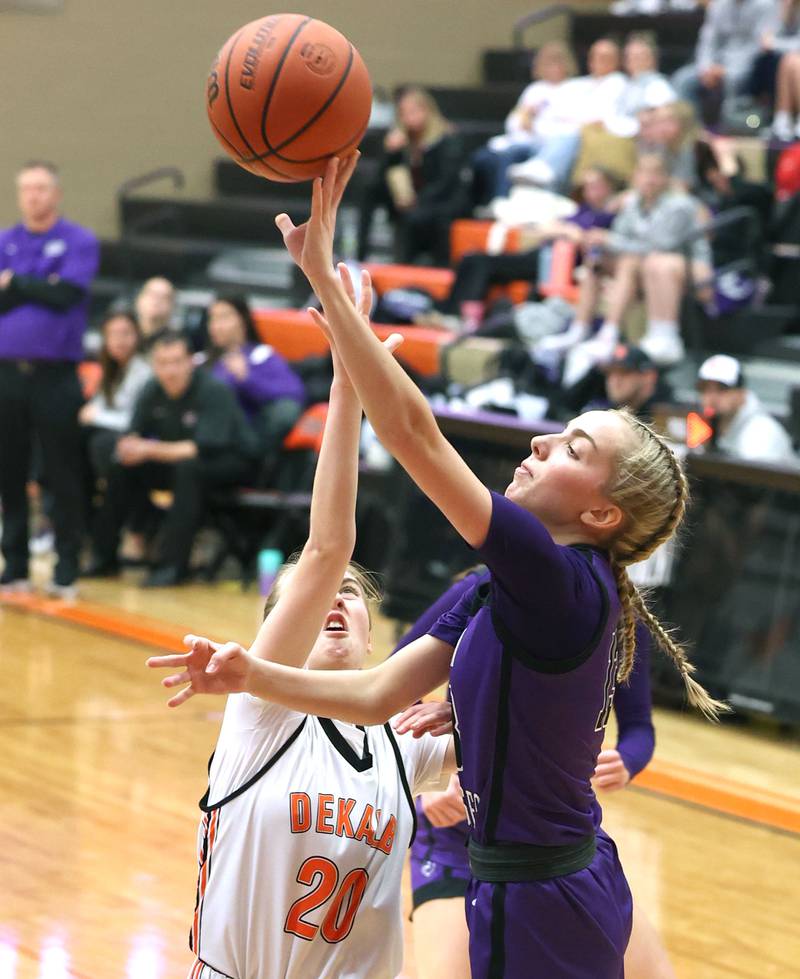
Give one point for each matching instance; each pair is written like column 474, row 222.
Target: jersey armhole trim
column 404, row 780
column 204, row 803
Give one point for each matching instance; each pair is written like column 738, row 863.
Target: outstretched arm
column 361, row 696
column 394, row 405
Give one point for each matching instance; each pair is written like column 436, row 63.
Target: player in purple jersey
column 533, row 656
column 438, row 861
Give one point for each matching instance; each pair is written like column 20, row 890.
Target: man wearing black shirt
column 188, row 435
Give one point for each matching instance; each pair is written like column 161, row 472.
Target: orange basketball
column 285, row 93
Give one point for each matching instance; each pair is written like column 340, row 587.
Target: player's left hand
column 311, row 244
column 209, row 667
column 435, row 717
column 610, row 773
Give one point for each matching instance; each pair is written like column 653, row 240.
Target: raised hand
column 434, row 717
column 208, row 667
column 311, row 244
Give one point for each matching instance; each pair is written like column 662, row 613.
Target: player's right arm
column 397, row 409
column 360, row 696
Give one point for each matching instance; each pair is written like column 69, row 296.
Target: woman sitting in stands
column 269, row 392
column 419, row 183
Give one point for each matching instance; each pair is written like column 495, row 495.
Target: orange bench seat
column 294, row 335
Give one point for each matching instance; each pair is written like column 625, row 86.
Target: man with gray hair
column 46, row 267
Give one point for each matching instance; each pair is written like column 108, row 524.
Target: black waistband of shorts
column 514, row 862
column 38, row 366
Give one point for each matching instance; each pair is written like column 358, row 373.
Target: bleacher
column 229, row 240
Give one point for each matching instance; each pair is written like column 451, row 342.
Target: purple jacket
column 43, row 313
column 269, row 377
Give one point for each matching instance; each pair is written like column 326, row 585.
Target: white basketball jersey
column 301, row 848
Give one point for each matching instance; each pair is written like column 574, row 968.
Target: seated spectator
column 743, row 428
column 632, row 381
column 645, row 89
column 738, row 250
column 269, row 392
column 527, row 127
column 647, row 244
column 420, row 181
column 125, row 372
column 478, row 271
column 726, row 50
column 671, row 131
column 578, row 102
column 777, row 72
column 155, row 308
column 187, row 435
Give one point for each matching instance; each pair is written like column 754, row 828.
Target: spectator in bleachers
column 632, row 381
column 772, row 80
column 528, row 125
column 671, row 131
column 727, row 47
column 421, row 181
column 155, row 308
column 646, row 88
column 743, row 428
column 46, row 268
column 124, row 373
column 478, row 271
column 738, row 251
column 187, row 435
column 579, row 102
column 779, row 64
column 647, row 245
column 269, row 392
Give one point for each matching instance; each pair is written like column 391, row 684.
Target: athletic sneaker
column 664, row 348
column 783, row 127
column 65, row 593
column 14, row 586
column 533, row 171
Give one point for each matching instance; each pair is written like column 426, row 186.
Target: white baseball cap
column 722, row 369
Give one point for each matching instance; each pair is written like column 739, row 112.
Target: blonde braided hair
column 644, row 474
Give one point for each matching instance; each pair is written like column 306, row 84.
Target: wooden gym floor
column 101, row 782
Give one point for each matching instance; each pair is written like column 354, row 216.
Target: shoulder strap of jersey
column 404, row 779
column 204, row 805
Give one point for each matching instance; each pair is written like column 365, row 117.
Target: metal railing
column 159, row 217
column 539, row 17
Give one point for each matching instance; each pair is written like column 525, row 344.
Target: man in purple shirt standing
column 46, row 266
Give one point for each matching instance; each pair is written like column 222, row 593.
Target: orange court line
column 701, row 788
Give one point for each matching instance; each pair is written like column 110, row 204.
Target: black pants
column 477, row 271
column 189, row 481
column 39, row 403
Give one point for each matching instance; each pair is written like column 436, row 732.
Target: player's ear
column 606, row 519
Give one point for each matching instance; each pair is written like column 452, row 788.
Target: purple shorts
column 431, row 881
column 576, row 926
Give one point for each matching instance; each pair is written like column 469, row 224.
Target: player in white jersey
column 306, row 820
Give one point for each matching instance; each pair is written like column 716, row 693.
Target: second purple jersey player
column 439, row 862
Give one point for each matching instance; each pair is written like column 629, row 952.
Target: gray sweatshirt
column 118, row 417
column 754, row 435
column 731, row 33
column 661, row 227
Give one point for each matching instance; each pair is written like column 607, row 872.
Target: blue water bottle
column 269, row 563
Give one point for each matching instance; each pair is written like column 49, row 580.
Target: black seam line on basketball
column 274, row 150
column 325, row 156
column 239, row 156
column 230, row 106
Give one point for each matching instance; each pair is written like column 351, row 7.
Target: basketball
column 285, row 93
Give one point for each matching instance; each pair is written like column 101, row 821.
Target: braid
column 626, row 630
column 652, row 517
